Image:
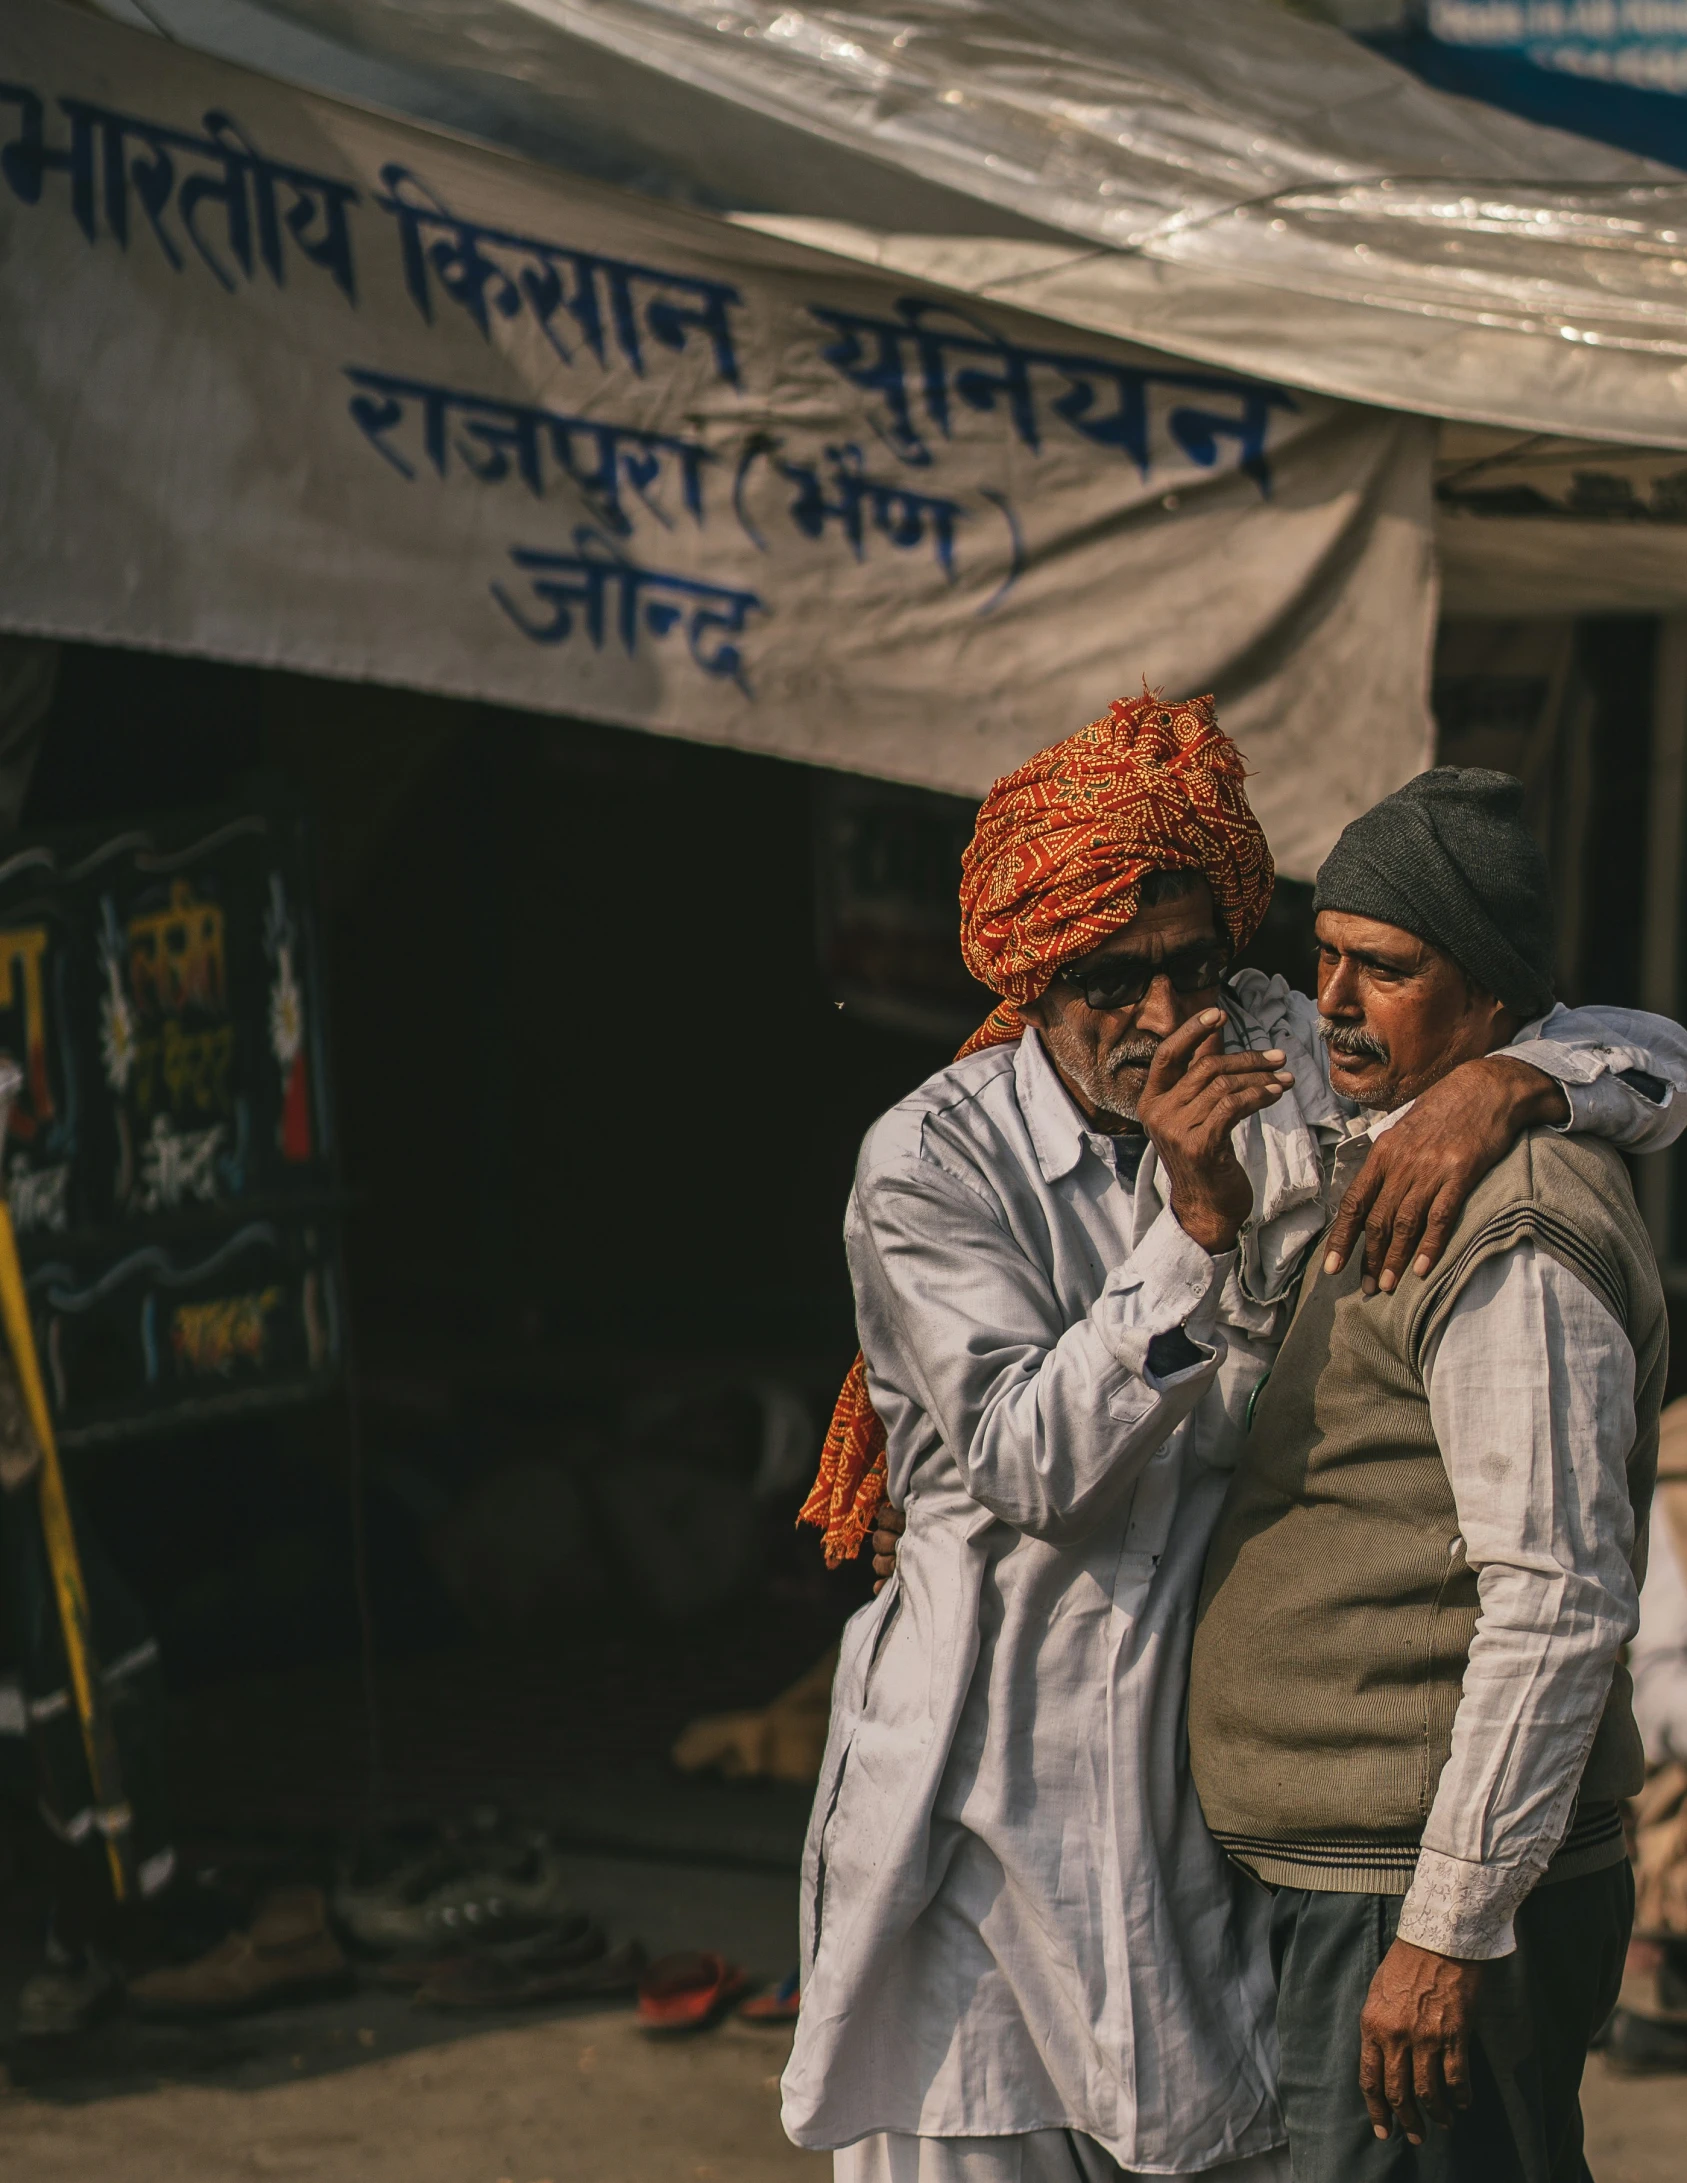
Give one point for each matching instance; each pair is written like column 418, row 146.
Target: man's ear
column 1503, row 1022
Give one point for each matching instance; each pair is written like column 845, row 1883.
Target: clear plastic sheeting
column 1245, row 186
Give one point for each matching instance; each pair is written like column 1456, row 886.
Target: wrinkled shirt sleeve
column 1531, row 1393
column 1049, row 1424
column 1623, row 1072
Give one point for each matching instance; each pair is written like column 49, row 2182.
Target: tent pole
column 99, row 1743
column 1661, row 933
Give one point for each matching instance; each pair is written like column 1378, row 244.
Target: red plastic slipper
column 776, row 2005
column 689, row 1991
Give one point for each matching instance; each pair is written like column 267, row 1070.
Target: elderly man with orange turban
column 1024, row 1958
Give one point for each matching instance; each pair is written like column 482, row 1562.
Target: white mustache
column 1135, row 1051
column 1351, row 1039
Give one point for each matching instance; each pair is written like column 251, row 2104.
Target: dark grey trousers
column 1535, row 2016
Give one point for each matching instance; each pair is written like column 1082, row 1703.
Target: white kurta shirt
column 1013, row 1916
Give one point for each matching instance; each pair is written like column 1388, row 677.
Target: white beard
column 1108, row 1088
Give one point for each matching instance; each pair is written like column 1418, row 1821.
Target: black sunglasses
column 1125, row 980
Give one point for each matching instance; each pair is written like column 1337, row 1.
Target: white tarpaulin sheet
column 283, row 381
column 1217, row 177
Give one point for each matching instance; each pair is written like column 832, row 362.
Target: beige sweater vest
column 1338, row 1609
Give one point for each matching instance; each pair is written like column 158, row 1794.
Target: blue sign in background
column 1614, row 70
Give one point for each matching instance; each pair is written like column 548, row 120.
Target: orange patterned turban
column 1062, row 844
column 1054, row 867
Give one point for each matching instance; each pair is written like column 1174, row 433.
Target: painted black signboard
column 170, row 1161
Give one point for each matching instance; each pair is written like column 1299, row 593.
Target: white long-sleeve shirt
column 1531, row 1394
column 1014, row 1917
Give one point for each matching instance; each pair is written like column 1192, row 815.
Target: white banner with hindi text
column 286, row 382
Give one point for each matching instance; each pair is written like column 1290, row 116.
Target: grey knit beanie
column 1448, row 858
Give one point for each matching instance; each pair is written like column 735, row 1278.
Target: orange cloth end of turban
column 846, row 1495
column 1055, row 867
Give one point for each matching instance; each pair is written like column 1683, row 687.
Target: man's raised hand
column 1195, row 1095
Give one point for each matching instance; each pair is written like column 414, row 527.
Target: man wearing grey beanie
column 1449, row 859
column 1407, row 1715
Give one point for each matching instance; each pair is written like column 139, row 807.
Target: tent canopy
column 1219, row 178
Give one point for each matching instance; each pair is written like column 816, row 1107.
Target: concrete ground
column 586, row 2100
column 371, row 2090
column 1636, row 2126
